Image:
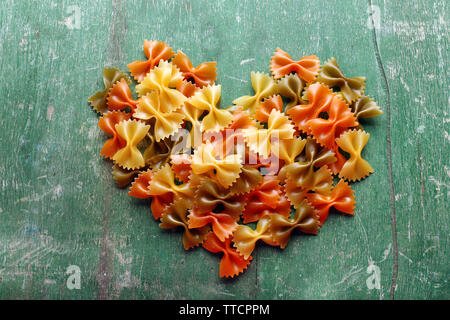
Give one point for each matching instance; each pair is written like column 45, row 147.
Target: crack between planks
column 117, row 33
column 389, row 158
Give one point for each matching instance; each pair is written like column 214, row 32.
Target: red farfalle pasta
column 155, row 52
column 341, row 198
column 108, row 124
column 282, row 64
column 232, row 262
column 203, row 75
column 257, row 171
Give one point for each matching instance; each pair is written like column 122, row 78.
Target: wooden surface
column 59, row 205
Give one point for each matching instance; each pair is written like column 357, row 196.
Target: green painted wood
column 59, row 205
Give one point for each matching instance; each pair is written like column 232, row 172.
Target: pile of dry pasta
column 271, row 158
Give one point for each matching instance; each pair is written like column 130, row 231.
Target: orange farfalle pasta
column 265, row 199
column 264, row 109
column 341, row 198
column 210, row 172
column 339, row 119
column 108, row 124
column 203, row 75
column 181, row 166
column 319, row 100
column 139, row 188
column 282, row 64
column 232, row 262
column 120, row 97
column 155, row 52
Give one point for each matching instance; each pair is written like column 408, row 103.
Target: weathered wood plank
column 59, row 205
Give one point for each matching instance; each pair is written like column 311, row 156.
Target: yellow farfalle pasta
column 208, row 99
column 132, row 131
column 263, row 85
column 260, row 140
column 353, row 142
column 224, row 171
column 166, row 124
column 245, row 238
column 289, row 149
column 163, row 181
column 163, row 79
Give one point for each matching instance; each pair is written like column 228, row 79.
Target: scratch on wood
column 389, row 158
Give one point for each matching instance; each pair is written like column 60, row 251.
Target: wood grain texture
column 59, row 205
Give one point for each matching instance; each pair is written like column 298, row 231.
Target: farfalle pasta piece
column 312, row 156
column 249, row 179
column 163, row 181
column 107, row 123
column 305, row 219
column 297, row 187
column 319, row 100
column 232, row 263
column 157, row 153
column 123, row 177
column 263, row 85
column 175, row 216
column 181, row 166
column 282, row 64
column 210, row 197
column 245, row 238
column 260, row 140
column 120, row 96
column 139, row 188
column 289, row 149
column 353, row 142
column 208, row 99
column 165, row 124
column 155, row 52
column 224, row 171
column 339, row 119
column 223, row 224
column 291, row 87
column 203, row 75
column 267, row 198
column 187, row 88
column 110, row 77
column 350, row 88
column 365, row 107
column 264, row 109
column 341, row 198
column 132, row 131
column 163, row 79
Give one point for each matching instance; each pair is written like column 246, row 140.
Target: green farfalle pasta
column 123, row 177
column 291, row 87
column 365, row 107
column 350, row 88
column 110, row 77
